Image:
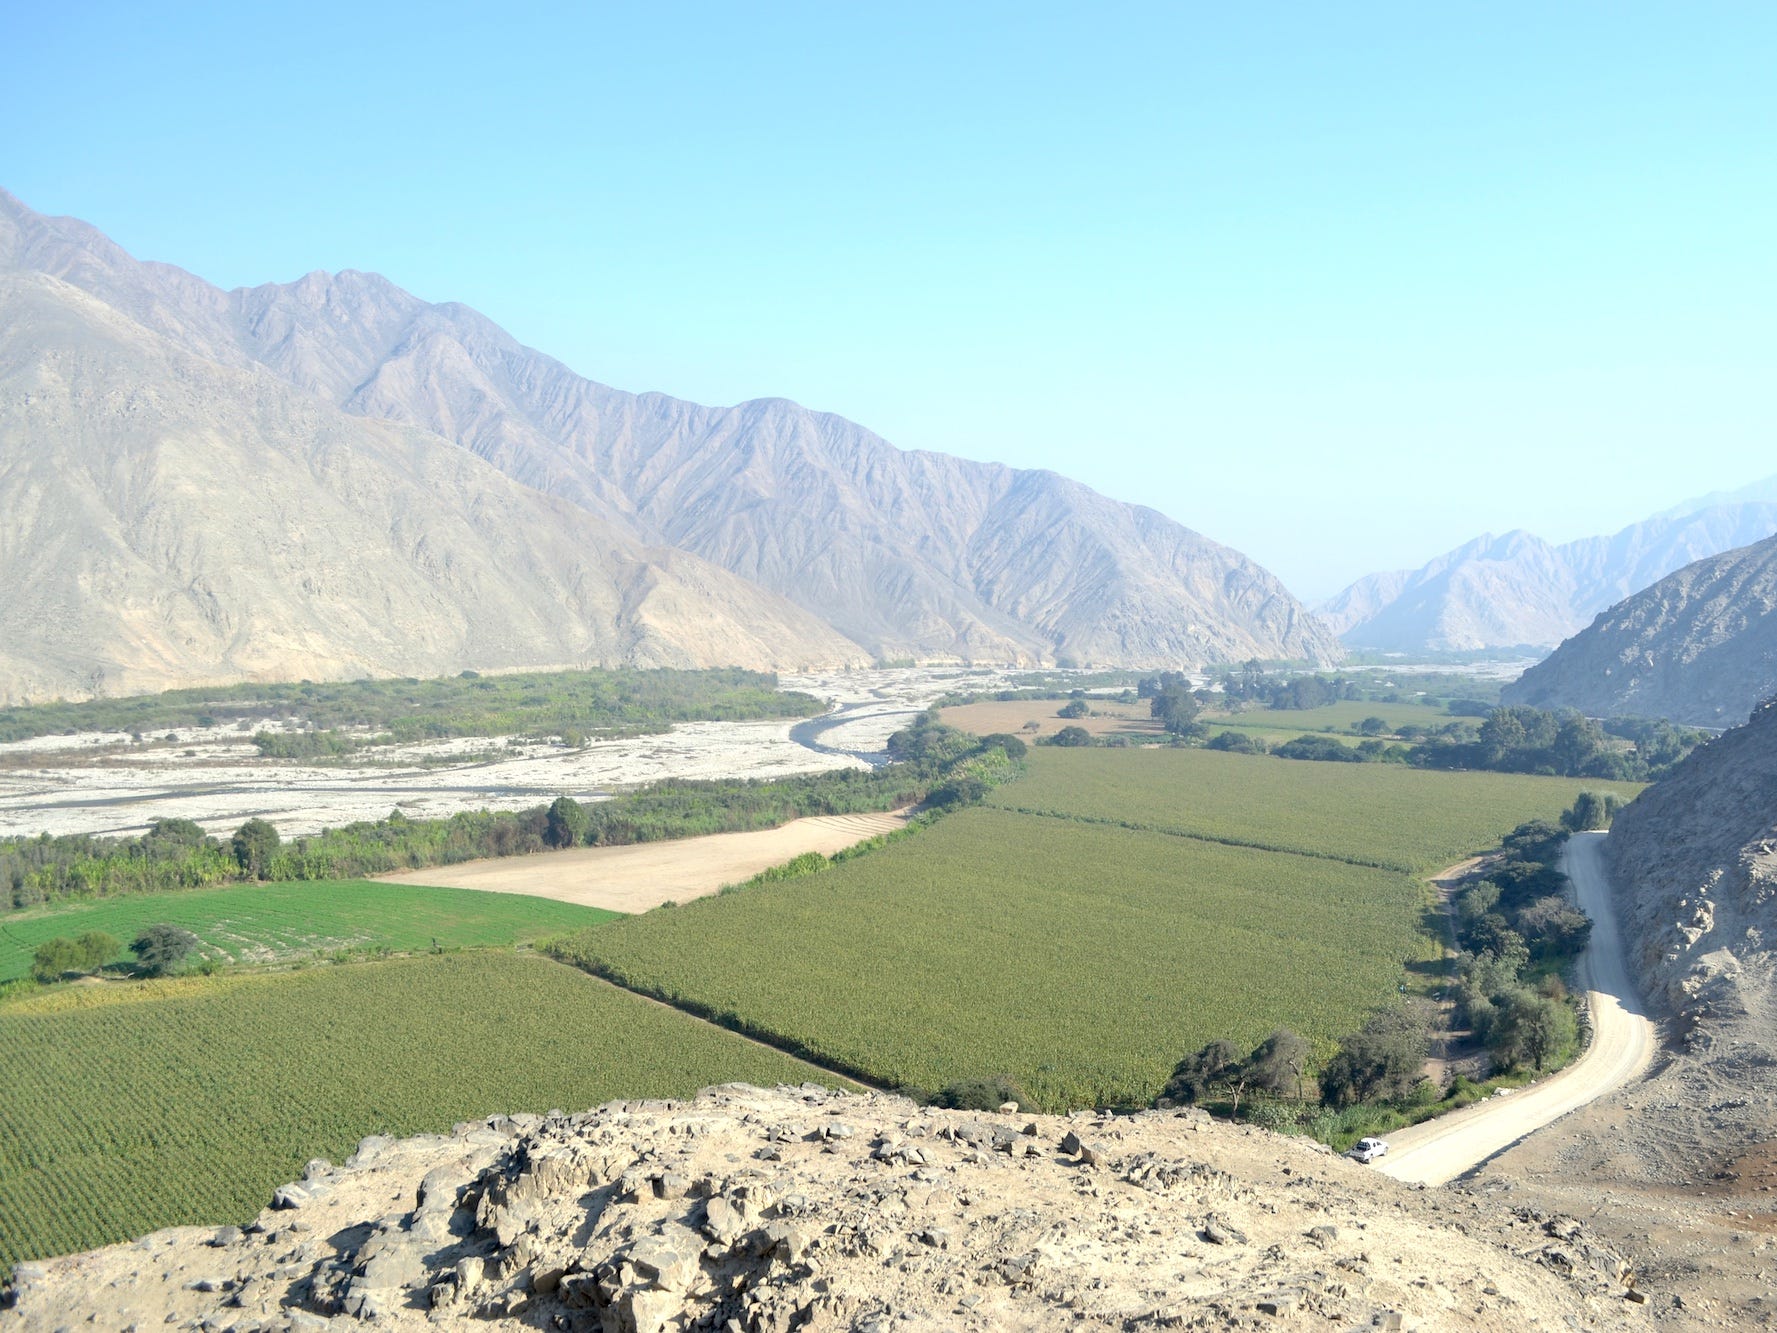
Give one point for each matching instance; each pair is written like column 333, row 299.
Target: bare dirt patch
column 1104, row 719
column 645, row 875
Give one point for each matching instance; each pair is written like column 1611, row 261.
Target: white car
column 1367, row 1150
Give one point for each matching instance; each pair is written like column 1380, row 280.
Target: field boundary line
column 1136, row 826
column 737, row 1027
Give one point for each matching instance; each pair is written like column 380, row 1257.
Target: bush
column 1235, row 742
column 981, row 1094
column 161, row 948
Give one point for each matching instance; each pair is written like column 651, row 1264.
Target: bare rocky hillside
column 1699, row 646
column 808, row 1209
column 907, row 553
column 172, row 520
column 1520, row 591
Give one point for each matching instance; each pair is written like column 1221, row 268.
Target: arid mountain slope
column 171, row 520
column 1699, row 646
column 907, row 553
column 1696, row 859
column 1520, row 591
column 803, row 1208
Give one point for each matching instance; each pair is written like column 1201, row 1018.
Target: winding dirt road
column 1622, row 1047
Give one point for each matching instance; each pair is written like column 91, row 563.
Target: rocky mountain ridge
column 1519, row 591
column 1699, row 646
column 906, row 553
column 172, row 519
column 805, row 1208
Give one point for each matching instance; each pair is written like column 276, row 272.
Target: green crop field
column 1082, row 960
column 277, row 922
column 1386, row 815
column 140, row 1106
column 1341, row 717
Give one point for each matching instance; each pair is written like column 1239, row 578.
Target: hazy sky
column 1341, row 285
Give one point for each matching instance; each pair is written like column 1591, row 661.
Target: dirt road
column 635, row 878
column 1622, row 1046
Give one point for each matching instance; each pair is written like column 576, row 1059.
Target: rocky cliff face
column 906, row 553
column 803, row 1208
column 171, row 520
column 1520, row 591
column 1699, row 646
column 1696, row 859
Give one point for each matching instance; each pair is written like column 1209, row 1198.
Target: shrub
column 1235, row 742
column 980, row 1094
column 161, row 948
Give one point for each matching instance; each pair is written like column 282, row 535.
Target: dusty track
column 1622, row 1046
column 638, row 877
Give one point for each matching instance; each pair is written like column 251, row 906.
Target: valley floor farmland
column 1385, row 815
column 186, row 1102
column 1082, row 960
column 642, row 875
column 269, row 923
column 1079, row 955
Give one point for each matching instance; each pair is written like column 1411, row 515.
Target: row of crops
column 1383, row 815
column 1082, row 950
column 189, row 1101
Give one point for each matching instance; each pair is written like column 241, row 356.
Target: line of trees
column 934, row 763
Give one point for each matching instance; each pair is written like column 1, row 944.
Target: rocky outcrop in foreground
column 806, row 1208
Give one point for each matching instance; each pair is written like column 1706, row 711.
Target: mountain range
column 1520, row 592
column 1699, row 646
column 333, row 476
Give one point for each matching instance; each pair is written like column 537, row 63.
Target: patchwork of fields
column 279, row 922
column 1079, row 933
column 1384, row 815
column 1082, row 951
column 131, row 1108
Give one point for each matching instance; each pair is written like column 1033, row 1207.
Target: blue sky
column 1342, row 285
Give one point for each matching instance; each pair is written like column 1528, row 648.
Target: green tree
column 1590, row 811
column 54, row 959
column 1197, row 1074
column 1530, row 1027
column 566, row 823
column 160, row 948
column 1073, row 709
column 1372, row 726
column 95, row 948
column 1385, row 1060
column 1072, row 736
column 1276, row 1064
column 254, row 844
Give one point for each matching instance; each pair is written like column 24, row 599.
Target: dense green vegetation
column 279, row 922
column 1520, row 739
column 549, row 703
column 1371, row 814
column 188, row 1101
column 1076, row 959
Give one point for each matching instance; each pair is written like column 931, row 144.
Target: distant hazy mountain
column 906, row 553
column 1520, row 591
column 1699, row 646
column 170, row 520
